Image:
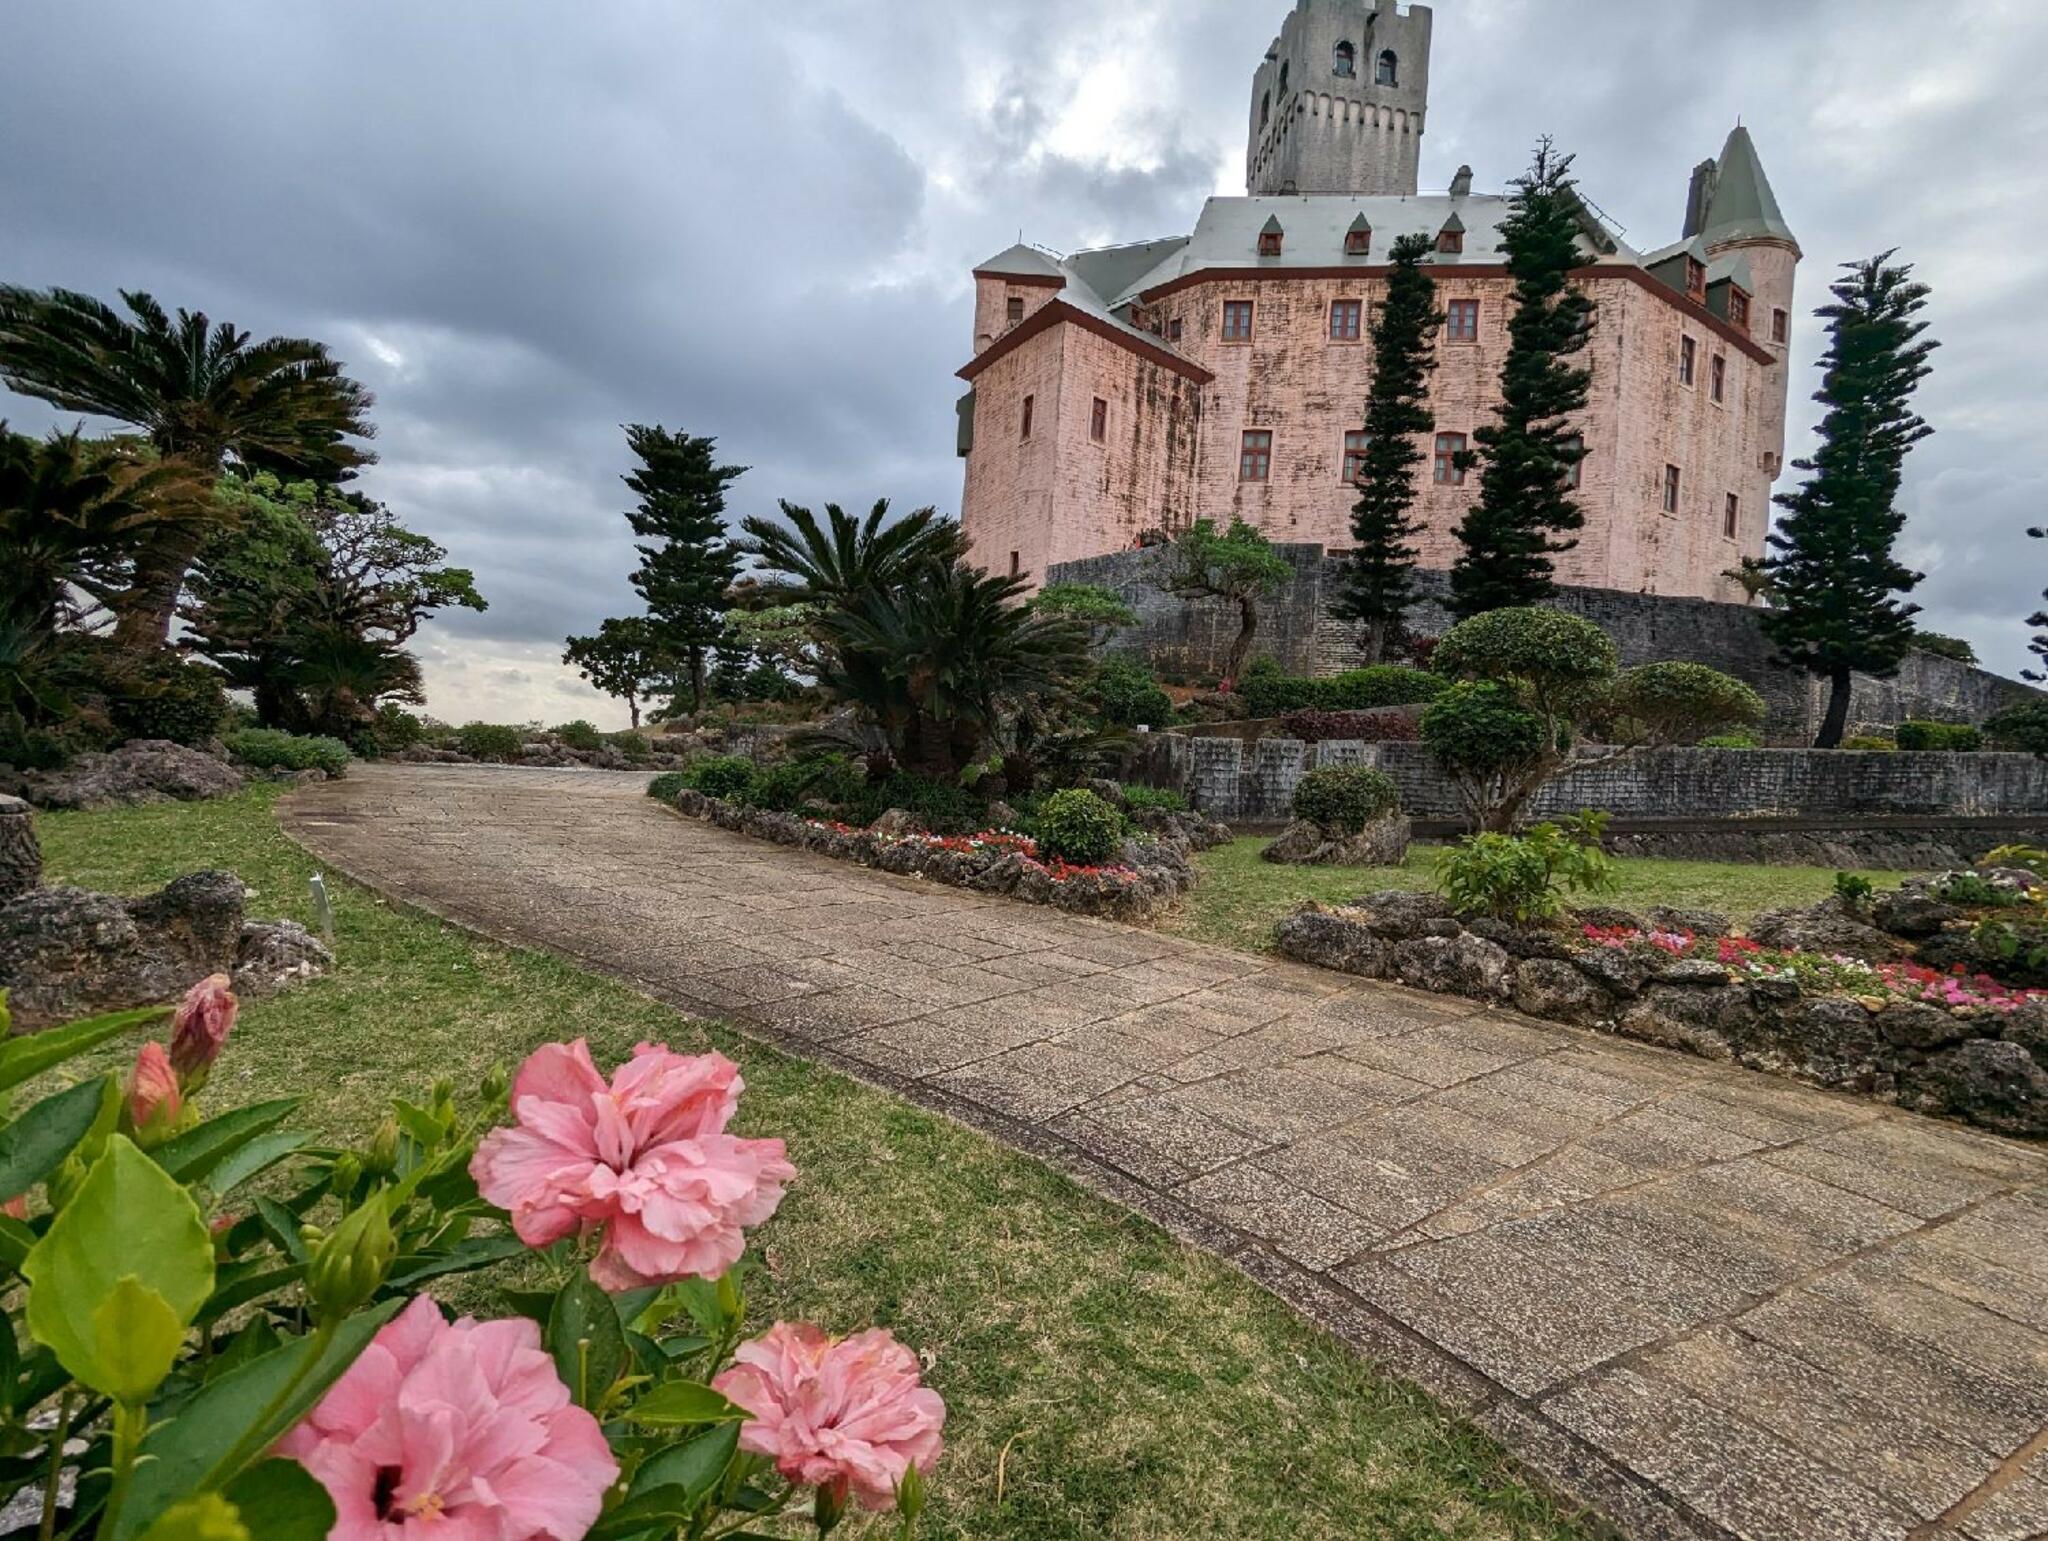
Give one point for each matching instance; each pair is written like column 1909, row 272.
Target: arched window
column 1283, row 78
column 1266, row 110
column 1390, row 69
column 1347, row 61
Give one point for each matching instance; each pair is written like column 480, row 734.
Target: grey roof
column 1694, row 247
column 1731, row 266
column 1023, row 261
column 1360, row 223
column 1454, row 224
column 1109, row 270
column 1743, row 207
column 1273, row 227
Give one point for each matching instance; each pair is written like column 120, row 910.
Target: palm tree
column 203, row 395
column 824, row 564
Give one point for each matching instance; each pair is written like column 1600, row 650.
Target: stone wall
column 1192, row 639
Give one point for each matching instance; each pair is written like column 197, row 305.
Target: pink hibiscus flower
column 455, row 1432
column 647, row 1158
column 201, row 1027
column 154, row 1102
column 846, row 1413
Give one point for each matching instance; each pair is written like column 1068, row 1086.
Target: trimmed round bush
column 1079, row 827
column 2023, row 727
column 729, row 778
column 579, row 735
column 488, row 741
column 1345, row 798
column 1940, row 737
column 1478, row 727
column 269, row 749
column 165, row 696
column 1363, row 690
column 1681, row 703
column 1561, row 657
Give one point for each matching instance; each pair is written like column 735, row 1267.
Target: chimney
column 1461, row 184
column 1706, row 177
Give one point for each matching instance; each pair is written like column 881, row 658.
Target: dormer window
column 1270, row 238
column 1390, row 69
column 1738, row 309
column 1346, row 64
column 1358, row 239
column 1695, row 278
column 1451, row 239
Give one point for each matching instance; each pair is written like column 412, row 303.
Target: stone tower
column 1338, row 101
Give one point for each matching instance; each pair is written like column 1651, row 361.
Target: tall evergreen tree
column 2038, row 643
column 1834, row 574
column 1525, row 497
column 1379, row 580
column 691, row 559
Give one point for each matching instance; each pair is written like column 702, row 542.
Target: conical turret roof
column 1744, row 208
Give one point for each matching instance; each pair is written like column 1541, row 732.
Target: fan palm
column 202, row 394
column 843, row 557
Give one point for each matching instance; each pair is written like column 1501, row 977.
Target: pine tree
column 2038, row 643
column 1834, row 573
column 691, row 559
column 1525, row 501
column 1379, row 579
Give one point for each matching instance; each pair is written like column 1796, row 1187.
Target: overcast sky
column 524, row 223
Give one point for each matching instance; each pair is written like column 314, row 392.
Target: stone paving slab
column 1710, row 1303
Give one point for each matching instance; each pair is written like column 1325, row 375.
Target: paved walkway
column 1711, row 1302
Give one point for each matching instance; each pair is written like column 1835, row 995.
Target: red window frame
column 1269, row 243
column 1448, row 447
column 1347, row 320
column 1738, row 309
column 1237, row 320
column 1173, row 330
column 1015, row 309
column 1688, row 361
column 1357, row 243
column 1098, row 420
column 1461, row 323
column 1356, row 443
column 1695, row 278
column 1674, row 487
column 1255, row 456
column 1450, row 242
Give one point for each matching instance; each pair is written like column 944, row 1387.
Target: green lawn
column 1104, row 1380
column 1240, row 898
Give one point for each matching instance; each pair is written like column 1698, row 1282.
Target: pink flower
column 835, row 1413
column 204, row 1020
column 16, row 1208
column 459, row 1432
column 647, row 1158
column 154, row 1102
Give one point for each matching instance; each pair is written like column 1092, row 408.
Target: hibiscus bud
column 347, row 1174
column 382, row 1160
column 911, row 1493
column 352, row 1261
column 201, row 1027
column 830, row 1506
column 154, row 1102
column 497, row 1084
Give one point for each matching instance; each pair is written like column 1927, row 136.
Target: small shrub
column 1126, row 695
column 1154, row 799
column 1077, row 826
column 1681, row 703
column 1345, row 798
column 944, row 806
column 1363, row 690
column 2029, row 858
column 1732, row 741
column 1525, row 878
column 1565, row 653
column 2023, row 728
column 663, row 788
column 2014, row 952
column 1477, row 727
column 1976, row 893
column 488, row 741
column 1853, row 891
column 165, row 696
column 1940, row 737
column 730, row 778
column 633, row 745
column 1388, row 725
column 392, row 731
column 1946, row 647
column 269, row 749
column 1869, row 743
column 579, row 735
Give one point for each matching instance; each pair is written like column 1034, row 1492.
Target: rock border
column 1985, row 1068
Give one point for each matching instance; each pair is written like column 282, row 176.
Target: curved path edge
column 1259, row 1110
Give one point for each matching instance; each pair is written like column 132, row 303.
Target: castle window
column 1688, row 361
column 1463, row 325
column 1173, row 330
column 1781, row 326
column 1671, row 489
column 1738, row 309
column 1098, row 420
column 1717, row 378
column 1269, row 242
column 1355, row 446
column 1732, row 517
column 1449, row 446
column 1390, row 69
column 1029, row 403
column 1695, row 278
column 1016, row 564
column 1237, row 320
column 1255, row 460
column 1358, row 239
column 1576, row 446
column 1451, row 240
column 1346, row 64
column 1346, row 320
column 1016, row 308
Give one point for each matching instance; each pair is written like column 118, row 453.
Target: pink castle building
column 1222, row 375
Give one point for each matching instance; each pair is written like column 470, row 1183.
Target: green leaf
column 419, row 1123
column 35, row 1144
column 128, row 1220
column 587, row 1341
column 208, row 1517
column 254, row 1159
column 537, row 1305
column 196, row 1152
column 682, row 1403
column 292, row 1503
column 670, row 1485
column 138, row 1337
column 464, row 1257
column 283, row 1227
column 250, row 1281
column 23, row 1059
column 700, row 1298
column 182, row 1455
column 16, row 1242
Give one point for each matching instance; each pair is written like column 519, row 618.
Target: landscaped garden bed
column 1926, row 997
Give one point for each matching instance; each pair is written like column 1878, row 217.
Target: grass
column 1240, row 899
column 1104, row 1381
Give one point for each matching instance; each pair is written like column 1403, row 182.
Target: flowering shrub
column 192, row 1360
